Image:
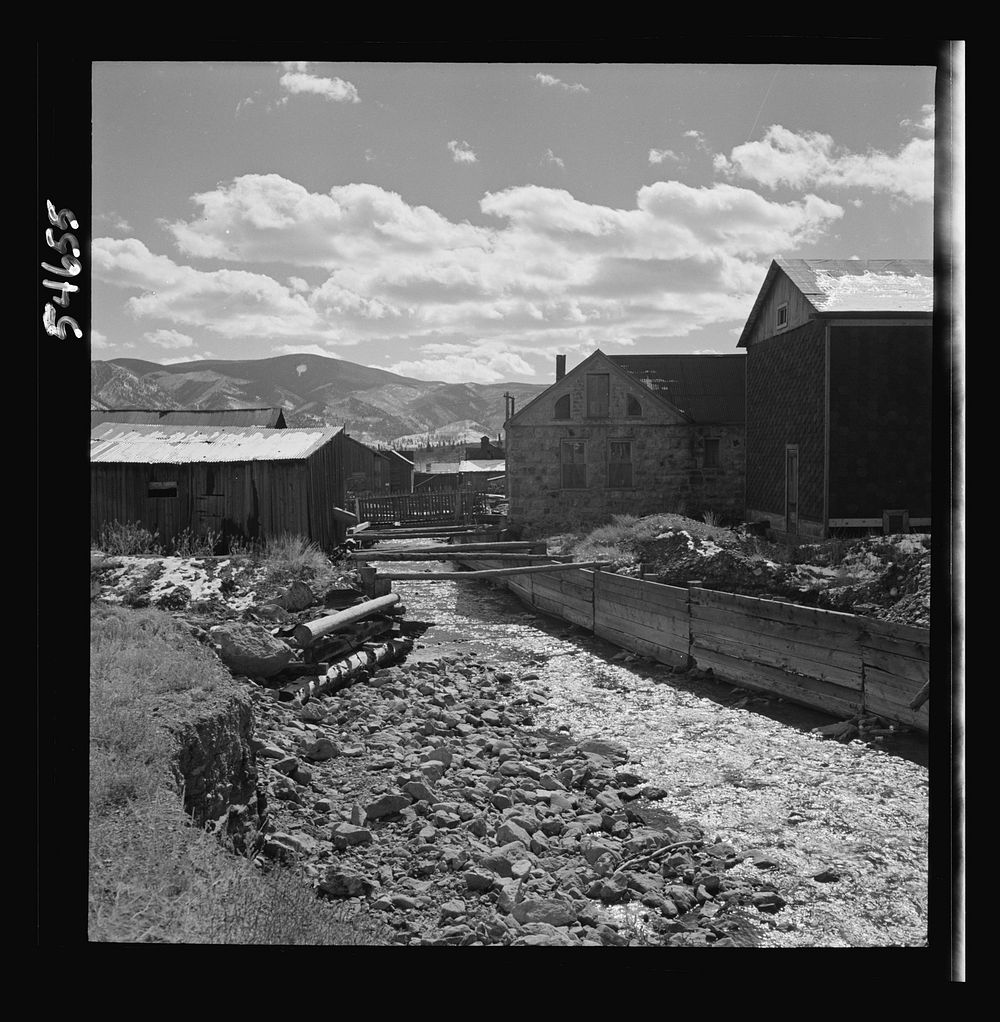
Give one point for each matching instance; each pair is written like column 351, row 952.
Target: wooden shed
column 234, row 481
column 839, row 396
column 366, row 470
column 268, row 418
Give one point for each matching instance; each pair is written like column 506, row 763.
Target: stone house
column 630, row 434
column 838, row 368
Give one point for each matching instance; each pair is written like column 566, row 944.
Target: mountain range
column 376, row 406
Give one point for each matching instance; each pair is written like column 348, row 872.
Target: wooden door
column 792, row 490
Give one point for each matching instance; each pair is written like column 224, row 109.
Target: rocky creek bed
column 519, row 782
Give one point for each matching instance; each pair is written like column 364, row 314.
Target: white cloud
column 303, row 349
column 168, row 339
column 336, row 90
column 810, row 159
column 99, row 341
column 707, row 351
column 550, row 157
column 659, row 155
column 456, row 363
column 369, row 155
column 546, row 272
column 461, row 152
column 926, row 122
column 699, row 139
column 551, row 80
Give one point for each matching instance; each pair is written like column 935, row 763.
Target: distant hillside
column 377, row 406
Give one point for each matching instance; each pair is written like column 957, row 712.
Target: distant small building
column 630, row 434
column 233, row 481
column 839, row 396
column 400, row 471
column 487, row 450
column 268, row 418
column 367, row 471
column 477, row 475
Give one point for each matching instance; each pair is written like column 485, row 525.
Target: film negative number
column 68, row 245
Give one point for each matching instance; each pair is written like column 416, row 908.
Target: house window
column 598, row 392
column 619, row 464
column 711, row 454
column 573, row 459
column 562, row 408
column 162, row 489
column 783, row 316
column 632, row 406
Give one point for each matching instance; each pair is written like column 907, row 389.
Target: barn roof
column 113, row 443
column 851, row 286
column 709, row 388
column 270, row 418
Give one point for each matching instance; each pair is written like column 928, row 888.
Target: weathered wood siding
column 786, row 404
column 242, row 499
column 842, row 664
column 880, row 420
column 799, row 309
column 802, row 654
column 896, row 665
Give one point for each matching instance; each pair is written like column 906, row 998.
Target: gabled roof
column 853, row 286
column 114, row 443
column 598, row 356
column 269, row 418
column 709, row 388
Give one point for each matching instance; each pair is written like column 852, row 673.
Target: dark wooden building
column 839, row 396
column 233, row 481
column 400, row 471
column 366, row 470
column 630, row 434
column 268, row 418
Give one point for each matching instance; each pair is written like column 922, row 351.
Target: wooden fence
column 842, row 664
column 407, row 508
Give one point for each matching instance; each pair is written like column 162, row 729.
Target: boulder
column 250, row 648
column 387, row 805
column 544, row 910
column 296, row 597
column 341, row 883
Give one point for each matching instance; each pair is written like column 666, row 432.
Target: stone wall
column 668, row 472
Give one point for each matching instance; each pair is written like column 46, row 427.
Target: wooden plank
column 904, row 689
column 671, row 638
column 663, row 654
column 779, row 637
column 650, row 617
column 885, row 705
column 907, row 668
column 471, row 576
column 772, row 610
column 564, row 611
column 438, row 554
column 711, row 619
column 626, row 589
column 811, row 692
column 889, row 629
column 742, row 650
column 920, row 650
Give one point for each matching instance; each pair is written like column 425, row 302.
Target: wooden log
column 340, row 673
column 306, row 634
column 470, row 576
column 435, row 554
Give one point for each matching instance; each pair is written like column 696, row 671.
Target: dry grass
column 154, row 876
column 128, row 539
column 294, row 557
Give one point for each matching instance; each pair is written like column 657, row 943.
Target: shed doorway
column 792, row 489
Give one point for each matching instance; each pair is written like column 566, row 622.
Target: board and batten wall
column 842, row 664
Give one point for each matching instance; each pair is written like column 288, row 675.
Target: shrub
column 294, row 556
column 711, row 518
column 187, row 544
column 125, row 538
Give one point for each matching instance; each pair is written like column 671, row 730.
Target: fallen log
column 306, row 634
column 921, row 697
column 332, row 647
column 463, row 576
column 501, row 546
column 339, row 674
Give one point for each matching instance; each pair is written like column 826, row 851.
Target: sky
column 468, row 222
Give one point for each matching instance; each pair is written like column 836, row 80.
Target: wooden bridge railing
column 407, row 508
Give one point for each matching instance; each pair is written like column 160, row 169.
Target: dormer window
column 783, row 316
column 561, row 410
column 632, row 407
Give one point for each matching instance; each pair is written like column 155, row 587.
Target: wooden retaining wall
column 842, row 664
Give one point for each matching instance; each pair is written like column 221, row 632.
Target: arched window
column 562, row 408
column 632, row 406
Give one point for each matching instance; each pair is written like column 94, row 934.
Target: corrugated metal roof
column 112, row 443
column 864, row 285
column 710, row 388
column 270, row 418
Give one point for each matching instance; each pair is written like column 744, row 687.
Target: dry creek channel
column 814, row 843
